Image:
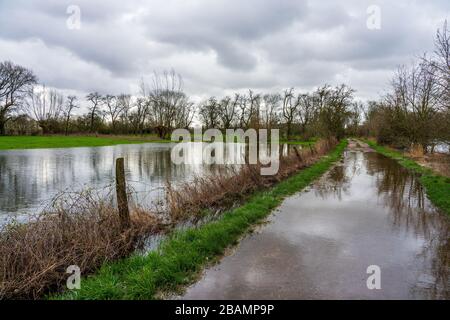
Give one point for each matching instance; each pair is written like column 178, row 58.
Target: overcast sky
column 218, row 46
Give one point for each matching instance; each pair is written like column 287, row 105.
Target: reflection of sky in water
column 366, row 210
column 441, row 147
column 31, row 178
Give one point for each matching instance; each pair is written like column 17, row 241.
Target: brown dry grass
column 87, row 232
column 34, row 256
column 224, row 189
column 438, row 162
column 416, row 151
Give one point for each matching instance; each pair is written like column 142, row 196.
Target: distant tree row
column 415, row 112
column 29, row 108
column 328, row 111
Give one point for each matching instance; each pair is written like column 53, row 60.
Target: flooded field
column 367, row 210
column 30, row 179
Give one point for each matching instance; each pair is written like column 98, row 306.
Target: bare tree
column 45, row 106
column 209, row 113
column 289, row 110
column 306, row 110
column 442, row 63
column 270, row 116
column 254, row 109
column 96, row 101
column 334, row 109
column 327, row 111
column 170, row 107
column 15, row 82
column 139, row 115
column 244, row 112
column 124, row 105
column 415, row 100
column 228, row 112
column 184, row 113
column 114, row 108
column 70, row 105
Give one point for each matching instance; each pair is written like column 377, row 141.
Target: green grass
column 58, row 141
column 300, row 143
column 33, row 142
column 179, row 259
column 437, row 187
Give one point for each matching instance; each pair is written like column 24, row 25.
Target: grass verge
column 34, row 142
column 179, row 259
column 307, row 143
column 436, row 186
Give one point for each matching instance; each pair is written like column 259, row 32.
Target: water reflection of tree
column 403, row 194
column 437, row 251
column 334, row 183
column 410, row 210
column 16, row 187
column 337, row 181
column 30, row 179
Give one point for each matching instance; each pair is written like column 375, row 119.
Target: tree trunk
column 67, row 127
column 92, row 122
column 288, row 131
column 2, row 127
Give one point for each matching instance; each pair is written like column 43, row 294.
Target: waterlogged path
column 366, row 211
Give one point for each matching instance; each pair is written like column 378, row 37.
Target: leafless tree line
column 327, row 111
column 416, row 111
column 162, row 106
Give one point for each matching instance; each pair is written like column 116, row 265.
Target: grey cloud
column 218, row 46
column 223, row 26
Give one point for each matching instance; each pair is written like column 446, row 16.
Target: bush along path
column 178, row 260
column 437, row 187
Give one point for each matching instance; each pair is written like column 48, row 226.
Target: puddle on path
column 367, row 210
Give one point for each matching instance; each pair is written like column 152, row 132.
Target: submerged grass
column 178, row 260
column 436, row 186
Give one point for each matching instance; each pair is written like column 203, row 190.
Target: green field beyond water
column 34, row 142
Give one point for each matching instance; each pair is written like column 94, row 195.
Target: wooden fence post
column 121, row 192
column 247, row 153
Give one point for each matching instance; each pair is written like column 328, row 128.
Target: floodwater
column 365, row 211
column 31, row 179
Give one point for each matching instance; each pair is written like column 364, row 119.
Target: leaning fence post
column 121, row 192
